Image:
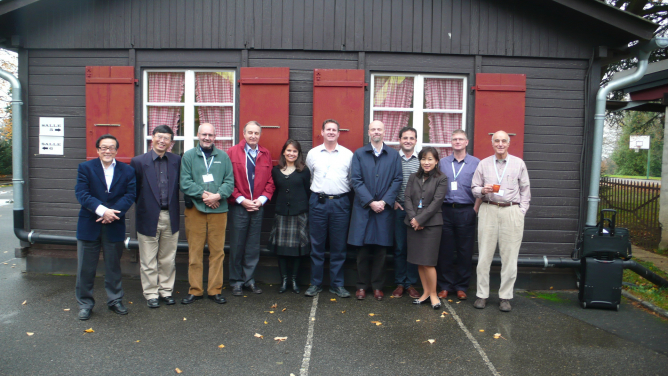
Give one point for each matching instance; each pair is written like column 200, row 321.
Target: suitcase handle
column 611, row 222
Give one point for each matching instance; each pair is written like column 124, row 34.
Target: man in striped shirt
column 502, row 181
column 405, row 274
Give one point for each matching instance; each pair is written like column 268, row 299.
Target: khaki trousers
column 156, row 255
column 204, row 228
column 503, row 226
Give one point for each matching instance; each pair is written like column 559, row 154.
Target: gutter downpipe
column 643, row 51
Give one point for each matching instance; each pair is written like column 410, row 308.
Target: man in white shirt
column 329, row 209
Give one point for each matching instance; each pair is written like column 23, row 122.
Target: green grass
column 633, row 177
column 551, row 296
column 646, row 290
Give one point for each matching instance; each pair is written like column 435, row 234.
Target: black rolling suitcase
column 601, row 267
column 601, row 283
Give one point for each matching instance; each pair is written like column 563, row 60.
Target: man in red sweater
column 253, row 187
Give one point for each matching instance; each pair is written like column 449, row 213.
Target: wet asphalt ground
column 546, row 334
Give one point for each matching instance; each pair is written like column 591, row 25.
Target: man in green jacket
column 207, row 178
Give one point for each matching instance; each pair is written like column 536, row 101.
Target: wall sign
column 51, row 145
column 49, row 126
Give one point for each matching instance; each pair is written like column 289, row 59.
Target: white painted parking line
column 303, row 371
column 473, row 340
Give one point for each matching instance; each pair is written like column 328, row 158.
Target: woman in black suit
column 289, row 237
column 424, row 195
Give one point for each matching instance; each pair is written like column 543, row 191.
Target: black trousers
column 371, row 266
column 456, row 250
column 88, row 254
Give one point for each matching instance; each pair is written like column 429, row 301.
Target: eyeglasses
column 162, row 138
column 105, row 149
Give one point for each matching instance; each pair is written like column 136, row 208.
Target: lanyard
column 460, row 169
column 208, row 166
column 500, row 179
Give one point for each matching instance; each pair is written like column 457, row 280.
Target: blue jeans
column 405, row 273
column 331, row 217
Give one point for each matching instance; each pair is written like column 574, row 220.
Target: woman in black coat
column 423, row 197
column 289, row 237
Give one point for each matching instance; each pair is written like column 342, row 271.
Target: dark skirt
column 289, row 236
column 423, row 245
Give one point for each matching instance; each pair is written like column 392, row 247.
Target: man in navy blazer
column 106, row 190
column 157, row 174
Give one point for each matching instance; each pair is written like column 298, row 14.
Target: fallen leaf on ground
column 178, row 370
column 280, row 339
column 265, row 322
column 24, row 302
column 13, row 266
column 430, row 341
column 258, row 335
column 312, row 318
column 551, row 287
column 185, row 319
column 90, row 330
column 497, row 335
column 284, row 309
column 279, row 320
column 458, row 302
column 245, row 296
column 417, row 320
column 332, row 300
column 343, row 311
column 378, row 323
column 450, row 300
column 274, row 305
column 372, row 314
column 481, row 330
column 221, row 346
column 137, row 341
column 29, row 333
column 130, row 302
column 5, row 263
column 66, row 309
column 270, row 311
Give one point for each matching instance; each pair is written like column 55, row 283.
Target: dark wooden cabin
column 558, row 45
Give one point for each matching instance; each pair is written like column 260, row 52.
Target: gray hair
column 255, row 123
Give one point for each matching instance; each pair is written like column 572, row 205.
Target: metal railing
column 637, row 205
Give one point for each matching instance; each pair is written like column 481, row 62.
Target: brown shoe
column 413, row 293
column 398, row 292
column 360, row 294
column 480, row 303
column 504, row 305
column 461, row 295
column 443, row 294
column 378, row 294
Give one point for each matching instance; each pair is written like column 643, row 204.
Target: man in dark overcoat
column 376, row 178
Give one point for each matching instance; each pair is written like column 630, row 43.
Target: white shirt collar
column 112, row 165
column 254, row 151
column 403, row 155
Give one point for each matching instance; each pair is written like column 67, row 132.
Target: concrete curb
column 647, row 305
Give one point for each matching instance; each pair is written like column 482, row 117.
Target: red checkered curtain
column 393, row 92
column 443, row 94
column 164, row 87
column 216, row 87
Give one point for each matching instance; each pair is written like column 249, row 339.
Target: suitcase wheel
column 584, row 304
column 617, row 307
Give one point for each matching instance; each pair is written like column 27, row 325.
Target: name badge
column 453, row 185
column 420, row 204
column 208, row 178
column 499, row 193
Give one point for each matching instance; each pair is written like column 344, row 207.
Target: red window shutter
column 339, row 94
column 499, row 106
column 110, row 108
column 264, row 96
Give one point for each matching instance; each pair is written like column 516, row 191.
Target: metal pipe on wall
column 643, row 50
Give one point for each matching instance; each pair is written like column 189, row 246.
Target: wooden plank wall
column 467, row 27
column 58, row 89
column 553, row 138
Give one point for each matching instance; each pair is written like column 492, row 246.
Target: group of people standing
column 374, row 199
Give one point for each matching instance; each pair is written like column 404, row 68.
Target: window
column 183, row 99
column 433, row 105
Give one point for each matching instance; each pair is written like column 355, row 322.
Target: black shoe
column 254, row 289
column 236, row 291
column 84, row 313
column 436, row 306
column 418, row 301
column 119, row 308
column 295, row 286
column 190, row 298
column 169, row 300
column 153, row 303
column 284, row 285
column 217, row 298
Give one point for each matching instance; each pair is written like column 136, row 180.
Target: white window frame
column 418, row 103
column 189, row 105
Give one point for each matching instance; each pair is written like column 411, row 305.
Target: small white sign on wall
column 51, row 145
column 49, row 126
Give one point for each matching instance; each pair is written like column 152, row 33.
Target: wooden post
column 663, row 200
